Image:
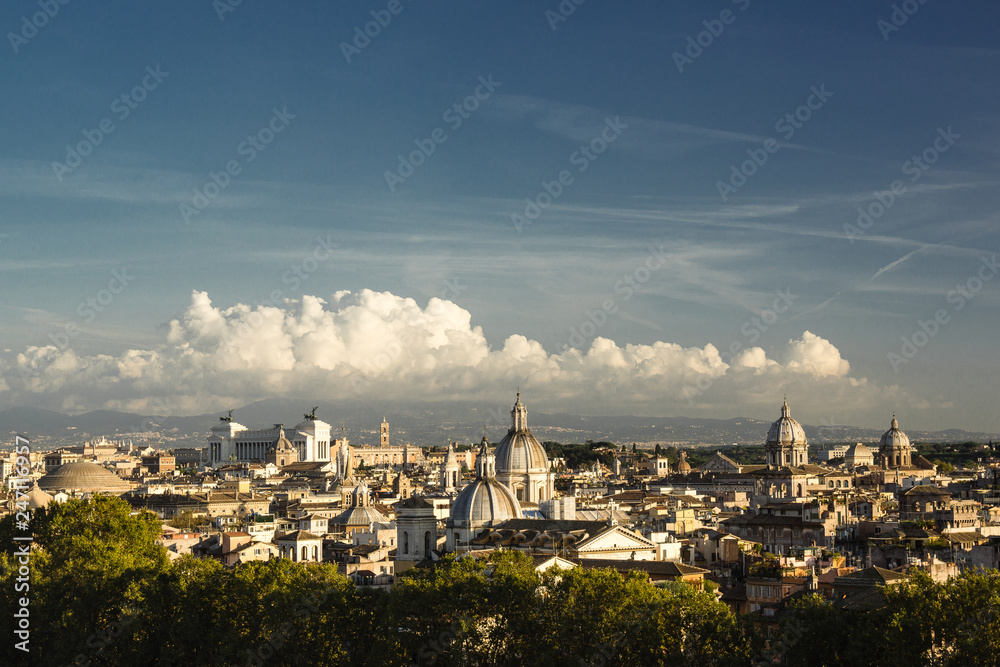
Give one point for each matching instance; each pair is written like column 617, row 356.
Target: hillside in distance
column 428, row 424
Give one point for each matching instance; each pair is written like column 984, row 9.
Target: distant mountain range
column 426, row 424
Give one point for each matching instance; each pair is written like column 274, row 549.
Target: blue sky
column 526, row 300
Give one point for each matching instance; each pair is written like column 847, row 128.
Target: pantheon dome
column 83, row 477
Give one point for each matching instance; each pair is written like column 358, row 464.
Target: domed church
column 894, row 448
column 786, row 442
column 521, row 462
column 483, row 503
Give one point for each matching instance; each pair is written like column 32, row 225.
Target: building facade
column 234, row 442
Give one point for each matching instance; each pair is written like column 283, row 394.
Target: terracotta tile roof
column 658, row 567
column 867, row 600
column 871, row 576
column 299, row 535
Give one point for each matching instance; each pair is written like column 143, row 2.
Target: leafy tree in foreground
column 467, row 610
column 92, row 565
column 922, row 623
column 599, row 617
column 103, row 593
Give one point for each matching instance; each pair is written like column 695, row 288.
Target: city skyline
column 654, row 211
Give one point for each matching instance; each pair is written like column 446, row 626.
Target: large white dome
column 519, row 451
column 858, row 449
column 83, row 476
column 484, row 502
column 894, row 438
column 786, row 431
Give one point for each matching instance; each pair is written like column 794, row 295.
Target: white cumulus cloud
column 383, row 346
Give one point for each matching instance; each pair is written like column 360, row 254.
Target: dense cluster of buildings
column 763, row 533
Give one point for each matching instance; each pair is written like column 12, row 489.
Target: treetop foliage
column 102, row 592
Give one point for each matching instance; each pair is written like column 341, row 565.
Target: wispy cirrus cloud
column 648, row 136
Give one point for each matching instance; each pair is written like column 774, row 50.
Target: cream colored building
column 234, row 442
column 301, row 546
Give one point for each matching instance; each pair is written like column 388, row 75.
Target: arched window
column 406, row 542
column 427, row 543
column 315, row 553
column 305, row 553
